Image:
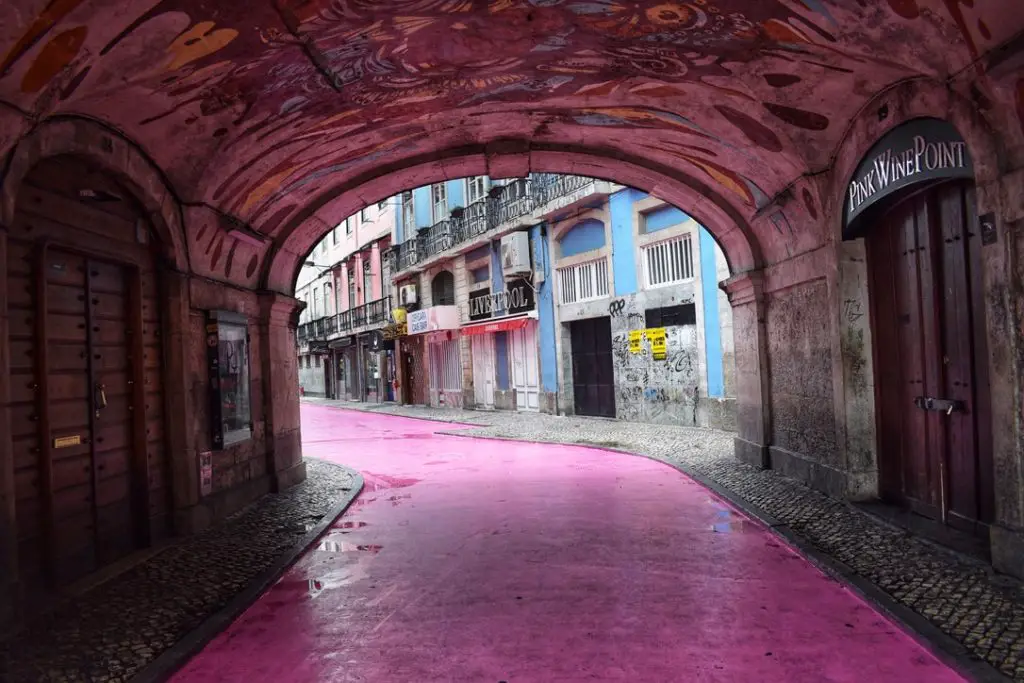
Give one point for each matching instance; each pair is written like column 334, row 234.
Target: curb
column 173, row 658
column 364, row 411
column 945, row 648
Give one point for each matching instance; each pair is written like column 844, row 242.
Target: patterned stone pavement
column 111, row 631
column 961, row 596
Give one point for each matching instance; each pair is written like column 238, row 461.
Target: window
column 668, row 316
column 308, row 362
column 439, row 200
column 348, row 225
column 228, row 357
column 351, row 290
column 316, row 303
column 669, row 262
column 408, row 211
column 584, row 281
column 317, row 360
column 476, row 188
column 334, row 236
column 328, row 309
column 367, row 281
column 445, row 365
column 442, row 289
column 385, row 276
column 364, row 214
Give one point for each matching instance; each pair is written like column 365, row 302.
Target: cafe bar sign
column 915, row 152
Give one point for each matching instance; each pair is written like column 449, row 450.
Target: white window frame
column 408, row 211
column 439, row 202
column 668, row 262
column 585, row 281
column 476, row 188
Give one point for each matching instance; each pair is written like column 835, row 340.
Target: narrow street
column 477, row 560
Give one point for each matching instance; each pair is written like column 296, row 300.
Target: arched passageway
column 247, row 133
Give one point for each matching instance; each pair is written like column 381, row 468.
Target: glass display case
column 227, row 345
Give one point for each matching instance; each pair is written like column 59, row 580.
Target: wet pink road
column 474, row 560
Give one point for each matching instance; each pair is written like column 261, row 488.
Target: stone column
column 277, row 325
column 357, row 273
column 8, row 523
column 753, row 409
column 375, row 292
column 180, row 400
column 1004, row 317
column 343, row 292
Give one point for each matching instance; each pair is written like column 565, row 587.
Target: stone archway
column 297, row 235
column 111, row 151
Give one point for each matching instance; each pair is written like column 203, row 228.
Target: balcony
column 373, row 314
column 526, row 201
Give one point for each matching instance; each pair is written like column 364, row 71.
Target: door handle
column 942, row 405
column 101, row 398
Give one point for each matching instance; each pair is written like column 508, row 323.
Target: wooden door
column 86, row 388
column 525, row 370
column 483, row 370
column 592, row 373
column 932, row 388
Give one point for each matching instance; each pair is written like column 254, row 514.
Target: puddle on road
column 727, row 521
column 329, row 546
column 376, row 482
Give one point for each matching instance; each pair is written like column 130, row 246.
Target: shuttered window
column 445, row 365
column 584, row 281
column 668, row 262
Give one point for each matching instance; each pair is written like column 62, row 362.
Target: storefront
column 503, row 327
column 439, row 326
column 345, row 368
column 912, row 199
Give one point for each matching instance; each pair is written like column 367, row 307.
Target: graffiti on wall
column 656, row 369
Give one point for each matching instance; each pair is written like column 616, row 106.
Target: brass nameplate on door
column 65, row 441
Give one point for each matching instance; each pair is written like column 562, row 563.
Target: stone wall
column 800, row 387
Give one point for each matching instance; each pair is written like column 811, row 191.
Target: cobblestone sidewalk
column 112, row 631
column 963, row 597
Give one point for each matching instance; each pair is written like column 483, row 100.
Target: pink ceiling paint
column 470, row 560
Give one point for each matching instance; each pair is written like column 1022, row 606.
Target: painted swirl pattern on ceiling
column 260, row 107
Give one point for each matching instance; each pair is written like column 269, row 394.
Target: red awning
column 496, row 326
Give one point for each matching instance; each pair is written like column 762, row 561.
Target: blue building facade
column 620, row 315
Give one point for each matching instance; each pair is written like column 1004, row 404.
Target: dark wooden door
column 932, row 387
column 86, row 392
column 592, row 375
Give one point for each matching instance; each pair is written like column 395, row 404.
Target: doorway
column 483, row 370
column 932, row 389
column 525, row 367
column 592, row 374
column 86, row 386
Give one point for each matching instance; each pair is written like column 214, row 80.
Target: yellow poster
column 636, row 341
column 656, row 335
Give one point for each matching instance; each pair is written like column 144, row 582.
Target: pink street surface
column 474, row 560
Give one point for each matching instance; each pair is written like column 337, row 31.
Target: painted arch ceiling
column 257, row 107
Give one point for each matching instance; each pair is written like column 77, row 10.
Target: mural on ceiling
column 295, row 93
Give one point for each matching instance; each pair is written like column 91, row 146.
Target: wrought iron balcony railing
column 377, row 312
column 506, row 204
